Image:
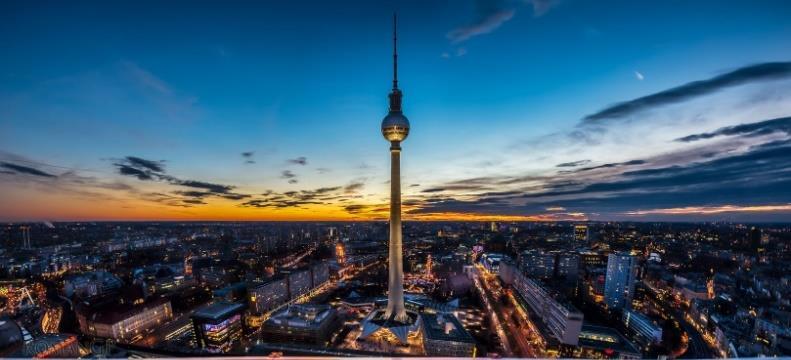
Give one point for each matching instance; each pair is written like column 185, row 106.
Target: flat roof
column 602, row 338
column 217, row 310
column 436, row 329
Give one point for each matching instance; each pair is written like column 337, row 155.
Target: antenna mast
column 395, row 52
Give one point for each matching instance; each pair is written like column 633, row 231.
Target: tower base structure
column 392, row 336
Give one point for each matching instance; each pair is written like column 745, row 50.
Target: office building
column 537, row 263
column 304, row 324
column 444, row 336
column 218, row 326
column 645, row 331
column 581, row 233
column 269, row 295
column 320, row 274
column 299, row 282
column 567, row 266
column 619, row 283
column 491, row 262
column 600, row 342
column 123, row 322
column 91, row 284
column 558, row 318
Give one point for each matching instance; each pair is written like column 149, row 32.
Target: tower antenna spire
column 395, row 51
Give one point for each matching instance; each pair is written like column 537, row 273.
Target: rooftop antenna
column 395, row 51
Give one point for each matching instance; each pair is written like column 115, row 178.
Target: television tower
column 395, row 128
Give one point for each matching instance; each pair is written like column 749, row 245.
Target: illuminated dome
column 395, row 127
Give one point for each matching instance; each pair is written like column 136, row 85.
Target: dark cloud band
column 744, row 75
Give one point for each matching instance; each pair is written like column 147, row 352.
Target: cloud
column 573, row 163
column 611, row 165
column 155, row 166
column 21, row 169
column 353, row 187
column 713, row 209
column 140, row 168
column 541, row 7
column 741, row 76
column 294, row 199
column 752, row 129
column 213, row 188
column 248, row 157
column 146, row 78
column 148, row 170
column 131, row 171
column 737, row 174
column 299, row 161
column 287, row 174
column 491, row 15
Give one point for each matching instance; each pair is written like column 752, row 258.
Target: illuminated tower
column 395, row 128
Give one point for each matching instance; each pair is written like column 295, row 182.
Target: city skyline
column 534, row 110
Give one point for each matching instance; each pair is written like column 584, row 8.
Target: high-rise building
column 26, row 237
column 581, row 233
column 619, row 285
column 537, row 263
column 567, row 266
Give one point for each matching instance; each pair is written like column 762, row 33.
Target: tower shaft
column 395, row 299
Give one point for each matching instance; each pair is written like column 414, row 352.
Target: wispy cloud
column 149, row 170
column 541, row 7
column 574, row 163
column 767, row 127
column 744, row 75
column 491, row 15
column 27, row 170
column 299, row 161
column 706, row 210
column 146, row 78
column 248, row 157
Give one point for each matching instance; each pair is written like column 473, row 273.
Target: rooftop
column 445, row 327
column 603, row 338
column 218, row 310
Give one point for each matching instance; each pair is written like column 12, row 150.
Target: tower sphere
column 395, row 127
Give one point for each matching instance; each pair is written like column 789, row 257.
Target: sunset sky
column 519, row 110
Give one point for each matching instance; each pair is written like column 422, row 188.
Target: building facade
column 561, row 319
column 619, row 284
column 124, row 323
column 218, row 326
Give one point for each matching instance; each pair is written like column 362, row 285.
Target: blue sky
column 494, row 89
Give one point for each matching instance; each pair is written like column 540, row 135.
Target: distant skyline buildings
column 221, row 116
